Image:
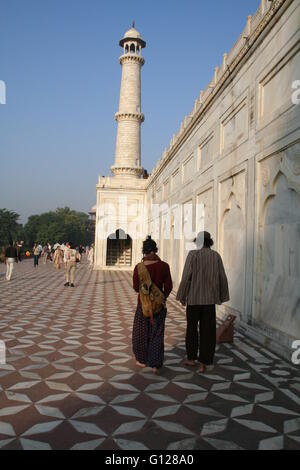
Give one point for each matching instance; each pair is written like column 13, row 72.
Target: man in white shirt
column 70, row 257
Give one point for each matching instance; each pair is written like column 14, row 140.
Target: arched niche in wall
column 232, row 243
column 205, row 212
column 175, row 242
column 278, row 269
column 165, row 231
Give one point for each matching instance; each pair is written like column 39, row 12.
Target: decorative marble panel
column 278, row 269
column 175, row 242
column 158, row 196
column 234, row 127
column 276, row 87
column 175, row 181
column 205, row 209
column 232, row 236
column 166, row 189
column 205, row 152
column 188, row 169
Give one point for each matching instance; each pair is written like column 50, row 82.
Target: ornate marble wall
column 236, row 160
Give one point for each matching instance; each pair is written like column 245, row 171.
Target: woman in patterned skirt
column 148, row 334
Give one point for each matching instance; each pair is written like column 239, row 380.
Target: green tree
column 9, row 226
column 58, row 226
column 53, row 232
column 31, row 229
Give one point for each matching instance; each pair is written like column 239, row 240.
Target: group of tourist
column 53, row 254
column 65, row 254
column 203, row 285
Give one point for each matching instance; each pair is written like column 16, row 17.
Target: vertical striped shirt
column 204, row 281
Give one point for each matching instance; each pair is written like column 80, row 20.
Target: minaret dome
column 132, row 41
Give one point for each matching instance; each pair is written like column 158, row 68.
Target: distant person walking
column 11, row 257
column 152, row 280
column 49, row 248
column 81, row 251
column 44, row 254
column 203, row 285
column 36, row 254
column 65, row 249
column 70, row 259
column 58, row 257
column 20, row 250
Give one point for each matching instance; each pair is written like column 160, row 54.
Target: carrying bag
column 225, row 332
column 152, row 298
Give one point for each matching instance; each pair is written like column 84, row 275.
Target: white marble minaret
column 129, row 117
column 121, row 198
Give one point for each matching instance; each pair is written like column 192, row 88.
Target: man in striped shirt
column 203, row 285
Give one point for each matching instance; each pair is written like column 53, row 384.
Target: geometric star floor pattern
column 71, row 382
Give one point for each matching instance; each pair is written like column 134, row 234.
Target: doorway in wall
column 119, row 249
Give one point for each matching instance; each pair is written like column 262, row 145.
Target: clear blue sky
column 59, row 60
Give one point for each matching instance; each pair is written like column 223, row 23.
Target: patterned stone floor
column 70, row 381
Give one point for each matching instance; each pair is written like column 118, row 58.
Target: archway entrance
column 119, row 249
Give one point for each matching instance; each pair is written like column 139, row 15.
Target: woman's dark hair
column 208, row 241
column 205, row 239
column 149, row 246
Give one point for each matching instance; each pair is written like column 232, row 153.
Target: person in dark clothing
column 203, row 285
column 19, row 246
column 148, row 333
column 11, row 257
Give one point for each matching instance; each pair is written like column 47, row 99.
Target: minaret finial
column 133, row 24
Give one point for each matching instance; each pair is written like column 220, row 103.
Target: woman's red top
column 159, row 273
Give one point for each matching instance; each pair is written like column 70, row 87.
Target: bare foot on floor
column 140, row 364
column 155, row 370
column 202, row 368
column 188, row 362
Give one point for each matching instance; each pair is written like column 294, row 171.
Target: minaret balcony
column 131, row 57
column 129, row 116
column 124, row 170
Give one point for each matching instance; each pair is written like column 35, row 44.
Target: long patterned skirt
column 147, row 339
